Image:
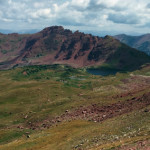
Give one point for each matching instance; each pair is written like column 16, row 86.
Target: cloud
column 2, row 1
column 148, row 5
column 81, row 3
column 1, row 13
column 124, row 19
column 94, row 5
column 44, row 13
column 7, row 20
column 96, row 15
column 38, row 4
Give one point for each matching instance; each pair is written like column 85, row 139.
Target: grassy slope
column 127, row 59
column 48, row 92
column 124, row 59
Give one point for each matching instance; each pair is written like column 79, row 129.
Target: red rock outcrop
column 56, row 45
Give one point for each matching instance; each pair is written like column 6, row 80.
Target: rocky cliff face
column 56, row 45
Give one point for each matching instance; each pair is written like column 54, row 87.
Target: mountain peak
column 54, row 28
column 56, row 45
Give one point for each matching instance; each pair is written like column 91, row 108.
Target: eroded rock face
column 58, row 45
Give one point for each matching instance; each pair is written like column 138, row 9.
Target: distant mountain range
column 26, row 31
column 141, row 43
column 56, row 45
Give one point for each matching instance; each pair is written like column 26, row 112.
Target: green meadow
column 34, row 94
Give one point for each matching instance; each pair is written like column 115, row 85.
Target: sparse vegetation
column 4, row 51
column 33, row 99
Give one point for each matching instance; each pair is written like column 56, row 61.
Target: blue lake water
column 101, row 72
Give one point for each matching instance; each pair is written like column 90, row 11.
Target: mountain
column 141, row 43
column 59, row 107
column 5, row 31
column 25, row 31
column 56, row 45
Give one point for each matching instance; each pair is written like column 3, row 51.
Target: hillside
column 48, row 100
column 56, row 45
column 62, row 108
column 141, row 43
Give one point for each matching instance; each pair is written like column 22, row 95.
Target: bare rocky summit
column 56, row 45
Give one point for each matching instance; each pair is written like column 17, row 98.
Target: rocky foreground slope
column 58, row 107
column 56, row 45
